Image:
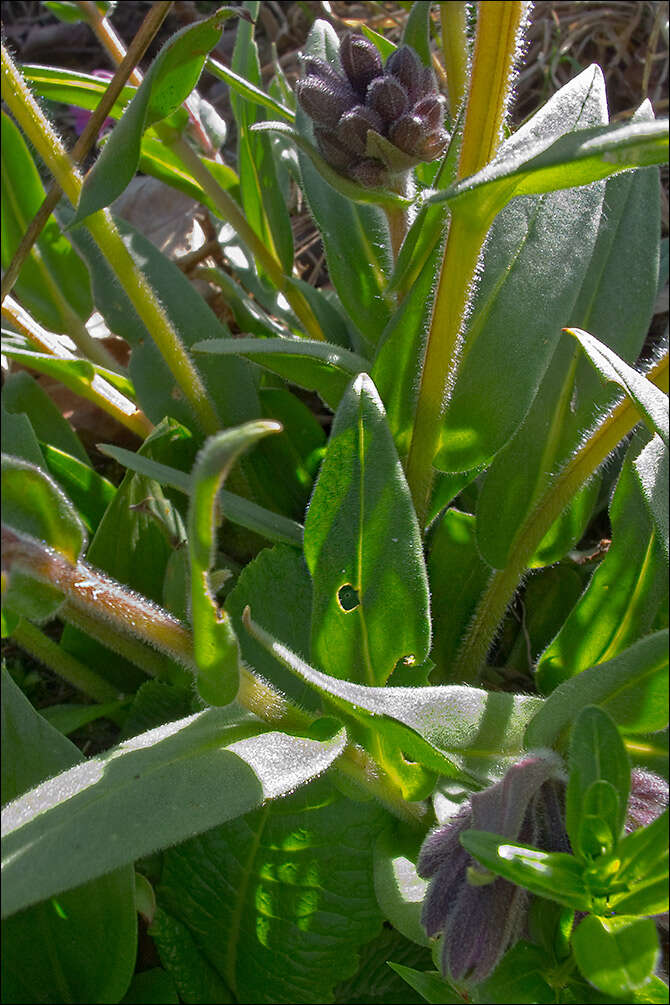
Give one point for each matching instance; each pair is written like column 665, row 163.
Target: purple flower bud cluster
column 373, row 121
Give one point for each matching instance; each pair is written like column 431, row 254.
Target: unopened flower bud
column 315, row 67
column 373, row 123
column 387, row 97
column 408, row 133
column 353, row 128
column 404, row 64
column 430, row 110
column 324, row 102
column 360, row 60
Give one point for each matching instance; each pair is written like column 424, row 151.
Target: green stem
column 455, row 49
column 103, row 229
column 149, row 661
column 98, row 391
column 495, row 50
column 504, row 582
column 49, row 653
column 136, row 50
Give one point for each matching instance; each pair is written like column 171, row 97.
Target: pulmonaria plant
column 305, row 662
column 373, row 123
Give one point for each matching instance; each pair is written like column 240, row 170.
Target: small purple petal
column 324, row 102
column 405, row 65
column 441, row 843
column 486, row 920
column 443, row 892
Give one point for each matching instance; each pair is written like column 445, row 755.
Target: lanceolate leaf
column 598, row 786
column 620, row 603
column 579, row 158
column 171, row 78
column 72, row 88
column 317, row 366
column 363, row 549
column 87, row 939
column 242, row 511
column 651, row 470
column 538, row 243
column 571, row 392
column 554, row 875
column 401, row 351
column 279, row 916
column 480, row 732
column 215, row 645
column 631, row 687
column 150, row 792
column 651, row 401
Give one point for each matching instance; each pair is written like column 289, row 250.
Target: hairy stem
column 495, row 52
column 98, row 391
column 34, row 124
column 455, row 50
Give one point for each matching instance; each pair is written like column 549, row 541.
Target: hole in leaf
column 347, row 598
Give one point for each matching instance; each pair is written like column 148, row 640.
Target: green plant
column 320, row 671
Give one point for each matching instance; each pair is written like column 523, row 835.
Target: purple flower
column 371, row 122
column 481, row 915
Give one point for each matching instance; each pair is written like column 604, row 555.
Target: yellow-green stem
column 99, row 391
column 455, row 51
column 504, row 582
column 103, row 229
column 495, row 51
column 136, row 50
